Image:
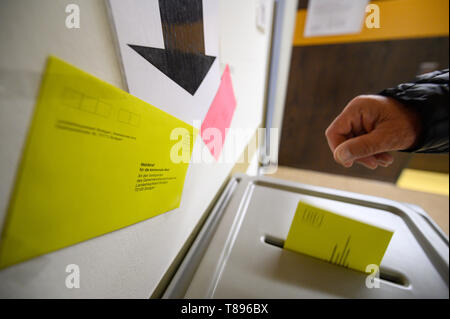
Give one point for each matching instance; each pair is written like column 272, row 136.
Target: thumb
column 359, row 147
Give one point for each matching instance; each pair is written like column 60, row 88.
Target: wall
column 130, row 262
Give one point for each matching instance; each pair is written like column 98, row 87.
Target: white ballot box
column 238, row 252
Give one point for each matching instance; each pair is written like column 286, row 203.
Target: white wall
column 128, row 263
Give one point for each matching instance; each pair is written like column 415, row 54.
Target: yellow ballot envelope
column 337, row 239
column 96, row 159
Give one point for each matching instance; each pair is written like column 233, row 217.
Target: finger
column 360, row 147
column 384, row 159
column 335, row 137
column 369, row 162
column 372, row 162
column 339, row 130
column 334, row 140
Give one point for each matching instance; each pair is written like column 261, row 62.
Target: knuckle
column 359, row 99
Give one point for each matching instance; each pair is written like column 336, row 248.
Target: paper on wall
column 169, row 53
column 331, row 17
column 218, row 119
column 96, row 159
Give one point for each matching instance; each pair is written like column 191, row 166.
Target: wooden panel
column 430, row 162
column 302, row 4
column 324, row 78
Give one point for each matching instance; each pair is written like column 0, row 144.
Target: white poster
column 334, row 17
column 169, row 51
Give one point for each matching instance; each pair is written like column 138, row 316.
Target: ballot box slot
column 386, row 274
column 393, row 276
column 274, row 241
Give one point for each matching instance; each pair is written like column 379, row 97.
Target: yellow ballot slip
column 96, row 159
column 336, row 239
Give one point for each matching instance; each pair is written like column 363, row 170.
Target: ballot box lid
column 239, row 253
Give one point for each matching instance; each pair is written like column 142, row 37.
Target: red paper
column 219, row 115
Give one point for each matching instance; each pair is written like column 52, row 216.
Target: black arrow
column 183, row 59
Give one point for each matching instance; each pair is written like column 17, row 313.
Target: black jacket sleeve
column 428, row 94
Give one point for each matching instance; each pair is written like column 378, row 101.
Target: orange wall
column 399, row 19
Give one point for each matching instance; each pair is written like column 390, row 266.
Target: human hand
column 369, row 127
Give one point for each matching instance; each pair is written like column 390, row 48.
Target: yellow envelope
column 336, row 239
column 96, row 159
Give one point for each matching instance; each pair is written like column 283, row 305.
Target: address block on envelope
column 96, row 159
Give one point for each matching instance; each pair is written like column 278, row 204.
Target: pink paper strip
column 219, row 116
